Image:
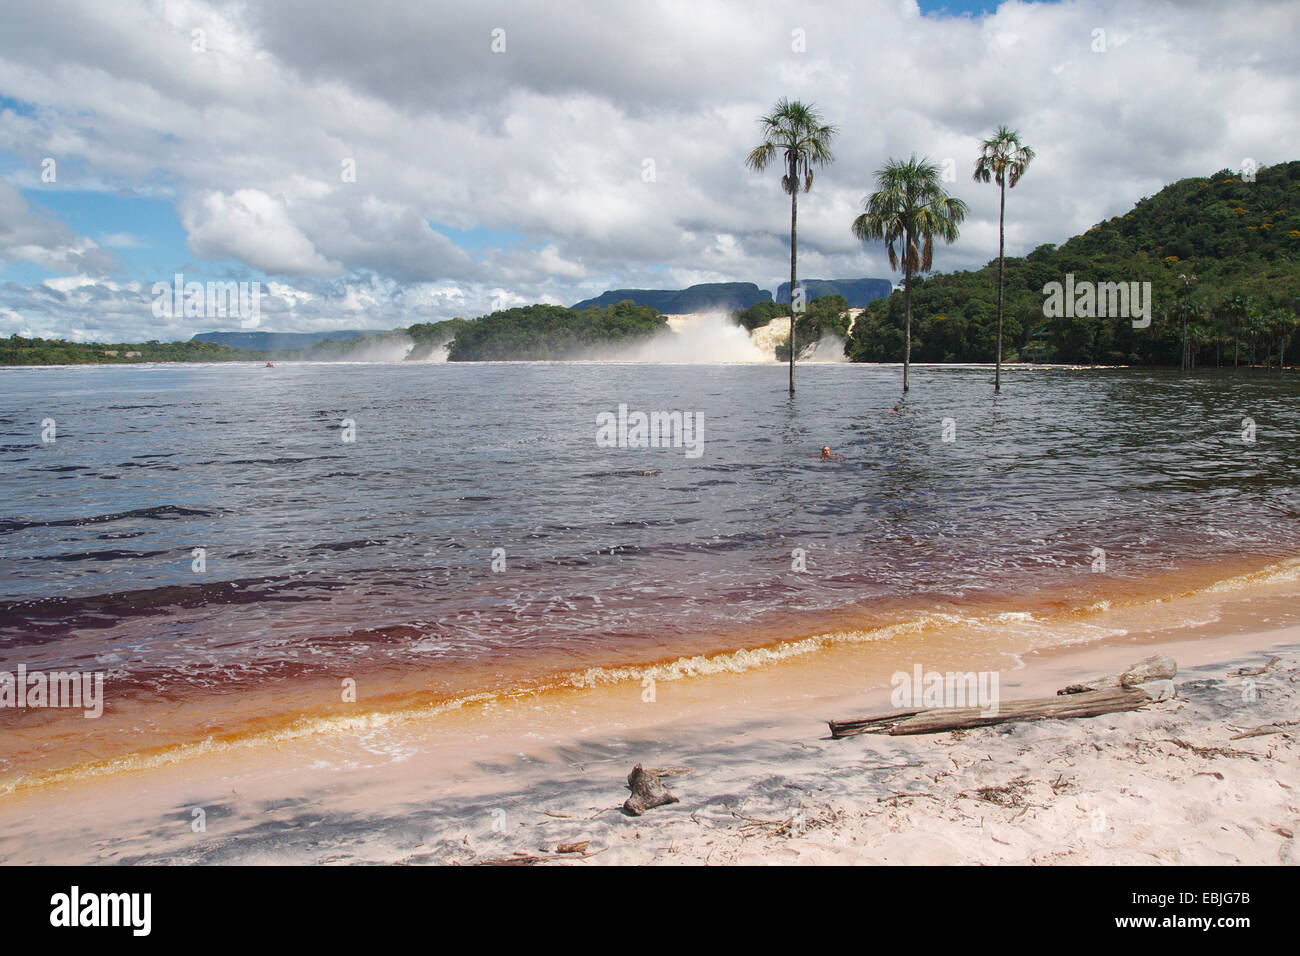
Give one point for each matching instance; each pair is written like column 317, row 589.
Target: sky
column 375, row 164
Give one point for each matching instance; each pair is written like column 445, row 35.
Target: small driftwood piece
column 1256, row 671
column 1158, row 667
column 647, row 792
column 1265, row 729
column 532, row 859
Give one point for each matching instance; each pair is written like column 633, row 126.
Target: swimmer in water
column 827, row 455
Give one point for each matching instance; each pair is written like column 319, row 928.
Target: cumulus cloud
column 600, row 147
column 387, row 237
column 29, row 236
column 254, row 228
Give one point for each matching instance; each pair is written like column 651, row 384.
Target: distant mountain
column 729, row 296
column 276, row 341
column 859, row 292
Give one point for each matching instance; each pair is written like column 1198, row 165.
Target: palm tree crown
column 795, row 132
column 910, row 205
column 908, row 211
column 1003, row 158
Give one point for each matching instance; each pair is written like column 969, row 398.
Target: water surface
column 326, row 557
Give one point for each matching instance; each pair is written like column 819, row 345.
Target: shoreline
column 829, row 654
column 441, row 791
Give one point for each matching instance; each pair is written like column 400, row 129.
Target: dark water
column 320, row 550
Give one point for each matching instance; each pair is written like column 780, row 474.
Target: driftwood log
column 1146, row 681
column 1091, row 703
column 647, row 792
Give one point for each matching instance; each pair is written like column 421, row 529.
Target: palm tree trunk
column 907, row 302
column 794, row 241
column 1002, row 214
column 1185, row 362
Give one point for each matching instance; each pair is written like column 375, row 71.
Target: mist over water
column 828, row 349
column 701, row 338
column 436, row 354
column 389, row 350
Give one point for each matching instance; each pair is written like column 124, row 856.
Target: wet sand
column 499, row 777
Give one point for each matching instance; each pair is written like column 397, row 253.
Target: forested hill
column 1240, row 241
column 552, row 332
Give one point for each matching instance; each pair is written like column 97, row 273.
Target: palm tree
column 910, row 205
column 1004, row 159
column 1186, row 364
column 795, row 133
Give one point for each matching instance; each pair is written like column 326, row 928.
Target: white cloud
column 255, row 228
column 548, row 140
column 29, row 236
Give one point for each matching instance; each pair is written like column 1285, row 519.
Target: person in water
column 827, row 455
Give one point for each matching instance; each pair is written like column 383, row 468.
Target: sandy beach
column 1181, row 781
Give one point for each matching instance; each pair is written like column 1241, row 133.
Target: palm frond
column 910, row 204
column 1003, row 158
column 796, row 132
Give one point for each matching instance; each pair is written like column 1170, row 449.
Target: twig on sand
column 891, row 766
column 755, row 820
column 532, row 859
column 1256, row 671
column 1211, row 751
column 1009, row 794
column 1264, row 729
column 796, row 824
column 895, row 794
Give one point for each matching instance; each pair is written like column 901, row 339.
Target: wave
column 158, row 513
column 1050, row 627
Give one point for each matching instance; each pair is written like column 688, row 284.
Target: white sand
column 1167, row 784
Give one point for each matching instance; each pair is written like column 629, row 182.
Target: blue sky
column 956, row 8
